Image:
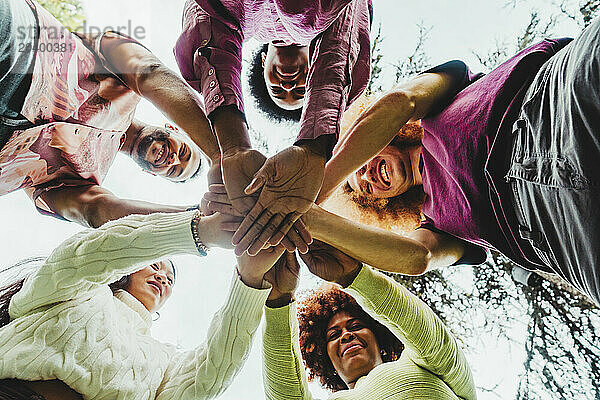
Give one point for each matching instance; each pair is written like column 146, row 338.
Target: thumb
column 260, row 178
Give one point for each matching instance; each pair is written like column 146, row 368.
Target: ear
column 263, row 56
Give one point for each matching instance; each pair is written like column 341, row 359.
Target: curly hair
column 314, row 315
column 258, row 90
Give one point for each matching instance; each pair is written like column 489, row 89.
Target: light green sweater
column 67, row 325
column 432, row 366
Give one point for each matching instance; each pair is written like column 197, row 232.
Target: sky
column 458, row 28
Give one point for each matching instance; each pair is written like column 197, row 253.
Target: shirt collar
column 136, row 306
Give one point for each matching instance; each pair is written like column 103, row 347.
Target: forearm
column 231, row 129
column 180, row 104
column 369, row 134
column 382, row 249
column 283, row 371
column 96, row 257
column 208, row 370
column 93, row 206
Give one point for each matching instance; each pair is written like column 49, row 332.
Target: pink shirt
column 209, row 51
column 77, row 133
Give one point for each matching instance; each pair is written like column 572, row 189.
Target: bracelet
column 202, row 249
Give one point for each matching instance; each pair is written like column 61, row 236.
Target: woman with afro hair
column 386, row 344
column 507, row 161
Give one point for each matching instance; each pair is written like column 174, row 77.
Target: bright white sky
column 459, row 27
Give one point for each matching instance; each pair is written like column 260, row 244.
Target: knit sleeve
column 95, row 257
column 283, row 373
column 427, row 341
column 208, row 370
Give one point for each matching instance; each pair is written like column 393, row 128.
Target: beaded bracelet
column 202, row 249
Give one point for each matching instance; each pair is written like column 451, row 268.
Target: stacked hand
column 290, row 181
column 331, row 264
column 252, row 269
column 284, row 278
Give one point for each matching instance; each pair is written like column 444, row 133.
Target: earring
column 157, row 316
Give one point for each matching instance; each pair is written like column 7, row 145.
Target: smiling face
column 166, row 153
column 352, row 347
column 390, row 173
column 152, row 285
column 285, row 71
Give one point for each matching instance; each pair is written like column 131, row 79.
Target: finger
column 217, row 188
column 253, row 232
column 293, row 263
column 266, row 234
column 214, row 207
column 285, row 229
column 297, row 241
column 303, row 231
column 218, row 197
column 288, row 244
column 229, row 226
column 258, row 181
column 252, row 216
column 204, row 207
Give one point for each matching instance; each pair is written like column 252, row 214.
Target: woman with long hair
column 83, row 318
column 372, row 340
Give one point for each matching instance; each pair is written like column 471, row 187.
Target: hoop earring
column 157, row 316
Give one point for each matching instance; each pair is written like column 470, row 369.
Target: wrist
column 318, row 147
column 230, row 128
column 347, row 279
column 250, row 279
column 278, row 300
column 197, row 227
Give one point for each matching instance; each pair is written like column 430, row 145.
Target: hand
column 239, row 167
column 252, row 269
column 217, row 229
column 214, row 177
column 217, row 200
column 290, row 181
column 284, row 279
column 330, row 264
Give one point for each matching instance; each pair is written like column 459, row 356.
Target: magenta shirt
column 465, row 150
column 209, row 50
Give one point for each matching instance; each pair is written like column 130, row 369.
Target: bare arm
column 411, row 255
column 150, row 78
column 378, row 125
column 94, row 205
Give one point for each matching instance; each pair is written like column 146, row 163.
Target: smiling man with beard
column 65, row 114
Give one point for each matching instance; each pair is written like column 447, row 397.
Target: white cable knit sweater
column 67, row 325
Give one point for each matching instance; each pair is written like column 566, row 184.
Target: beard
column 157, row 135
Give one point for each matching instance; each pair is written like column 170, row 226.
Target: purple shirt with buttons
column 209, row 52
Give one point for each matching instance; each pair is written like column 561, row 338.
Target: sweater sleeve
column 283, row 372
column 208, row 370
column 427, row 340
column 95, row 257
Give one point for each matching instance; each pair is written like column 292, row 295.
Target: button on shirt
column 209, row 50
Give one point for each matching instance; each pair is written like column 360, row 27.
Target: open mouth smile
column 384, row 175
column 351, row 347
column 156, row 286
column 162, row 154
